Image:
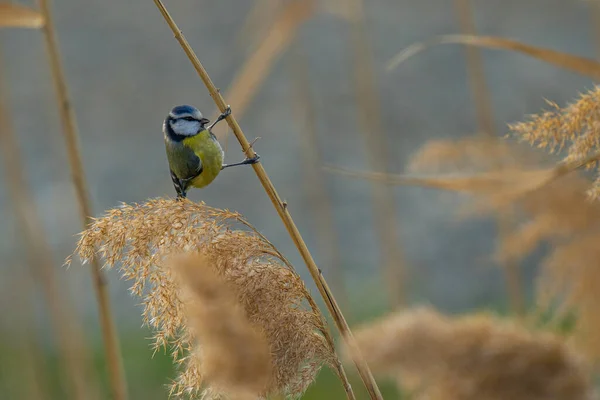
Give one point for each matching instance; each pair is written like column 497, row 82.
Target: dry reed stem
column 282, row 210
column 483, row 104
column 109, row 333
column 473, row 357
column 327, row 236
column 479, row 90
column 371, row 128
column 255, row 26
column 581, row 65
column 255, row 70
column 75, row 373
column 234, row 354
column 503, row 184
column 141, row 237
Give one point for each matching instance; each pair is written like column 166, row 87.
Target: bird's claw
column 227, row 111
column 252, row 160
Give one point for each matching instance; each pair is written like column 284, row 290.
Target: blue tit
column 194, row 154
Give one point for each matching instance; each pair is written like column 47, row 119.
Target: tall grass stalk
column 282, row 210
column 485, row 118
column 257, row 21
column 321, row 199
column 255, row 70
column 371, row 127
column 71, row 135
column 67, row 332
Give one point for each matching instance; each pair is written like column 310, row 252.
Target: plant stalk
column 280, row 206
column 485, row 118
column 67, row 332
column 109, row 334
column 371, row 128
column 315, row 181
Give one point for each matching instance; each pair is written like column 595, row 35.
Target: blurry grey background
column 125, row 72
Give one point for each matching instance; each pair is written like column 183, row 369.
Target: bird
column 194, row 154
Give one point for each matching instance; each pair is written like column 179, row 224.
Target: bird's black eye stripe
column 189, row 118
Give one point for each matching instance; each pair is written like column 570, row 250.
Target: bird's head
column 184, row 121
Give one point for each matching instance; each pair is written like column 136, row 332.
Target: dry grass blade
column 235, row 356
column 507, row 185
column 16, row 16
column 140, row 238
column 581, row 65
column 282, row 210
column 255, row 70
column 474, row 357
column 71, row 135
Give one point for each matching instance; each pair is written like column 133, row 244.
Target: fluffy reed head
column 552, row 211
column 234, row 356
column 574, row 128
column 140, row 237
column 472, row 358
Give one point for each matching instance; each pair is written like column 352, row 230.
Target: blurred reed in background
column 236, row 317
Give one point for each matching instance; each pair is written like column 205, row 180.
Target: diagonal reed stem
column 282, row 210
column 71, row 135
column 485, row 117
column 67, row 332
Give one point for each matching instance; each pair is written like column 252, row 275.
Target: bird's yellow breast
column 208, row 149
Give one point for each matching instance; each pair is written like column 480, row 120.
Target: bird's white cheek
column 186, row 128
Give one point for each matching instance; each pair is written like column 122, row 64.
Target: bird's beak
column 204, row 121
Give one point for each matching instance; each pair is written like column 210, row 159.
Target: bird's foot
column 221, row 117
column 227, row 111
column 252, row 160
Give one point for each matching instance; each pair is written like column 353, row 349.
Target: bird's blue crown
column 184, row 109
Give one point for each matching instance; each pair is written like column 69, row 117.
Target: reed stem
column 371, row 128
column 281, row 207
column 326, row 233
column 67, row 331
column 71, row 135
column 485, row 118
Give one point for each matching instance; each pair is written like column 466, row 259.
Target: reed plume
column 232, row 354
column 557, row 212
column 140, row 237
column 575, row 128
column 473, row 357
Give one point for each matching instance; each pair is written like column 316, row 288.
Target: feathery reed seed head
column 575, row 127
column 139, row 237
column 473, row 357
column 559, row 212
column 235, row 356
